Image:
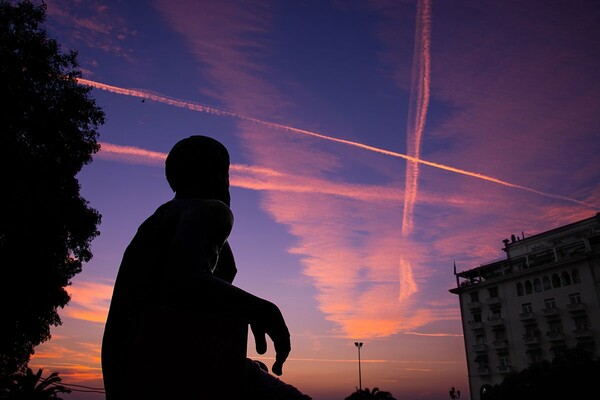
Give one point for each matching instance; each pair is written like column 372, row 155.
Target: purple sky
column 373, row 143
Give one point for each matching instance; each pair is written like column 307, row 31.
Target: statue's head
column 198, row 166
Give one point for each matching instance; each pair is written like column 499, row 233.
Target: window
column 476, row 317
column 526, row 307
column 531, row 331
column 500, row 335
column 519, row 289
column 480, row 338
column 546, row 283
column 555, row 281
column 504, row 360
column 493, row 292
column 555, row 326
column 558, row 349
column 588, row 347
column 575, row 298
column 566, row 278
column 537, row 285
column 474, row 297
column 482, row 361
column 581, row 323
column 550, row 303
column 534, row 356
column 528, row 287
column 575, row 276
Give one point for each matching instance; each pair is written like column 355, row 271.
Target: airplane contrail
column 221, row 112
column 417, row 112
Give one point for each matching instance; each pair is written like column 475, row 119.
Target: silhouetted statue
column 177, row 328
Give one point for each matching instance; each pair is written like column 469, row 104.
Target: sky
column 373, row 144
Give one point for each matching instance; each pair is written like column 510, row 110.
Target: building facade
column 539, row 301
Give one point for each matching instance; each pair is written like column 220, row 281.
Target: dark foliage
column 29, row 386
column 48, row 131
column 366, row 394
column 571, row 375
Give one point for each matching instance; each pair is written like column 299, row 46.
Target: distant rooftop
column 554, row 246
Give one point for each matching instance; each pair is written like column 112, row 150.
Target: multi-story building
column 542, row 299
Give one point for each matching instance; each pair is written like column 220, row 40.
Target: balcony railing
column 576, row 307
column 555, row 336
column 476, row 325
column 483, row 371
column 491, row 301
column 531, row 340
column 480, row 347
column 527, row 316
column 473, row 304
column 500, row 344
column 497, row 268
column 550, row 311
column 495, row 320
column 505, row 369
column 583, row 333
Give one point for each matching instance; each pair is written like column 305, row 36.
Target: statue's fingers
column 259, row 338
column 282, row 350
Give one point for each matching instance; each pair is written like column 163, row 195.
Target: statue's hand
column 273, row 325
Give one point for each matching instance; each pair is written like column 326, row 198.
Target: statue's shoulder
column 180, row 215
column 160, row 219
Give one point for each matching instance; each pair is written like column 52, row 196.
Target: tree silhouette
column 48, row 132
column 29, row 386
column 366, row 394
column 570, row 375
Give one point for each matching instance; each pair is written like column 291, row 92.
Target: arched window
column 528, row 287
column 546, row 283
column 555, row 281
column 537, row 285
column 566, row 278
column 575, row 276
column 519, row 289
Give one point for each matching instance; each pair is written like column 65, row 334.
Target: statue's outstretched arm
column 190, row 282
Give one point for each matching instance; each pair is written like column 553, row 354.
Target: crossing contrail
column 417, row 111
column 221, row 112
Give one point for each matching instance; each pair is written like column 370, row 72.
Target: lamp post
column 358, row 346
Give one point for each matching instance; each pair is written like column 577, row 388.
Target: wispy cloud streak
column 90, row 301
column 261, row 178
column 417, row 113
column 220, row 112
column 253, row 177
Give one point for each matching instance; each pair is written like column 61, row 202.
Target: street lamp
column 358, row 346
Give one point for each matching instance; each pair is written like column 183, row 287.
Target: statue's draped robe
column 175, row 330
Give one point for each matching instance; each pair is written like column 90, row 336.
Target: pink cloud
column 266, row 179
column 76, row 361
column 535, row 116
column 89, row 301
column 308, row 159
column 362, row 274
column 97, row 26
column 350, row 250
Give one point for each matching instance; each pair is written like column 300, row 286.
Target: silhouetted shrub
column 569, row 376
column 366, row 394
column 48, row 128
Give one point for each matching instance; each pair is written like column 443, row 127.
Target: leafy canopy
column 366, row 394
column 48, row 132
column 571, row 375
